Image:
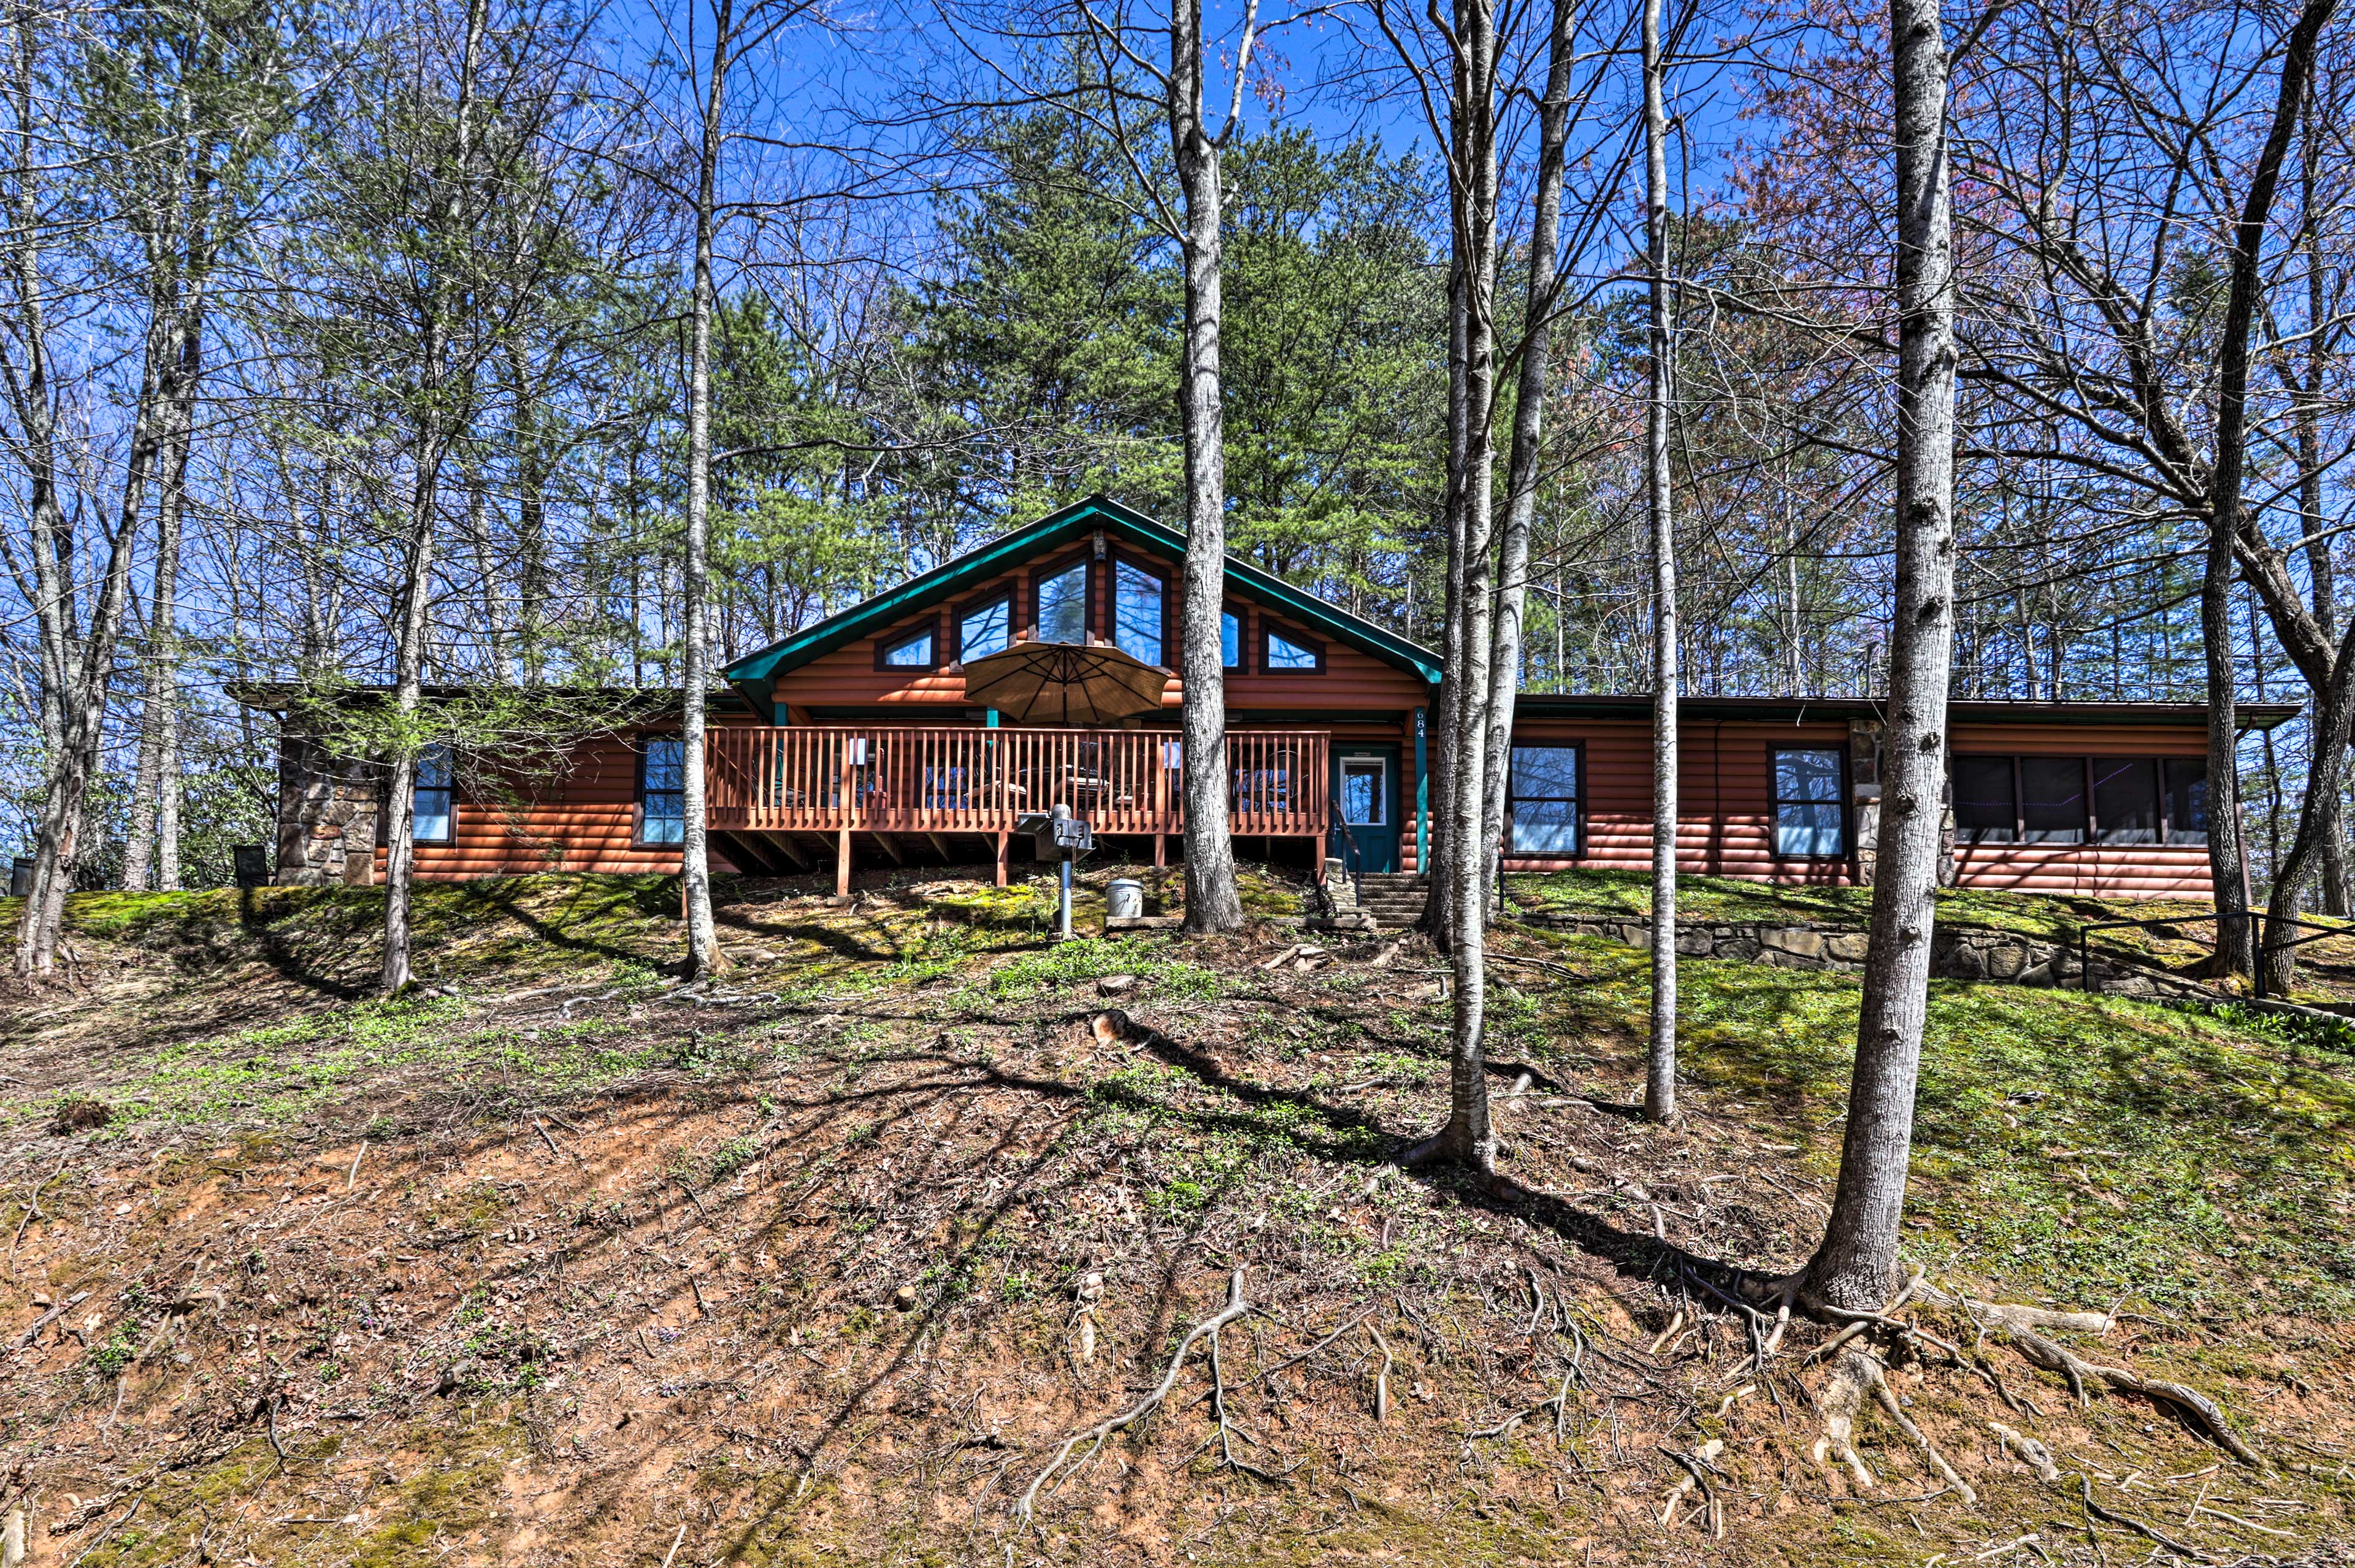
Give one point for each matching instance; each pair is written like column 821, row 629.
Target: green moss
column 1723, row 898
column 2090, row 1148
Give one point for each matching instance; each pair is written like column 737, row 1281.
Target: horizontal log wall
column 1726, row 806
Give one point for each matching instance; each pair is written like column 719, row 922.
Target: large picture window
column 1810, row 819
column 1231, row 639
column 2080, row 800
column 1139, row 603
column 433, row 803
column 661, row 792
column 986, row 629
column 1543, row 795
column 1063, row 605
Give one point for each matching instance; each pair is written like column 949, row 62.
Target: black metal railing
column 1353, row 861
column 2263, row 937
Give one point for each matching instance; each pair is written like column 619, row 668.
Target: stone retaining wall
column 1956, row 952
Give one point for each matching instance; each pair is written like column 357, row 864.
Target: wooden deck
column 934, row 780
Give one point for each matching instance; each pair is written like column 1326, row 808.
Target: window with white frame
column 433, row 803
column 662, row 792
column 1810, row 819
column 1542, row 797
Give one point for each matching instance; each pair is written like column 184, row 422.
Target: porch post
column 1001, row 858
column 842, row 862
column 1422, row 798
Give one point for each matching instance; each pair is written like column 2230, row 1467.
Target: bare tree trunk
column 2306, row 404
column 408, row 696
column 155, row 791
column 1660, row 1058
column 2333, row 709
column 1854, row 1266
column 703, row 955
column 2227, row 856
column 1213, row 902
column 1468, row 1139
column 1438, row 915
column 1522, row 465
column 76, row 670
column 433, row 431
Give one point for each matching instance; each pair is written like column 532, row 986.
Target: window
column 1985, row 810
column 910, row 650
column 1365, row 799
column 432, row 804
column 1231, row 639
column 986, row 629
column 1063, row 605
column 2187, row 800
column 1810, row 820
column 1542, row 806
column 1137, row 599
column 432, row 811
column 2052, row 800
column 2126, row 800
column 661, row 792
column 1286, row 650
column 2045, row 800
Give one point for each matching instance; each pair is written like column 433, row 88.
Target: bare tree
column 1854, row 1266
column 1524, row 465
column 1660, row 1058
column 703, row 955
column 440, row 418
column 2228, row 522
column 1469, row 55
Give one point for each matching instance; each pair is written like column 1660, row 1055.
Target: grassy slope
column 2083, row 1150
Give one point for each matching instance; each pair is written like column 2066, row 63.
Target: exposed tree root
column 2019, row 1327
column 2039, row 1458
column 1854, row 1376
column 1698, row 1469
column 1095, row 1437
column 1841, row 1398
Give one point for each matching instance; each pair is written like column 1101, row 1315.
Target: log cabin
column 853, row 743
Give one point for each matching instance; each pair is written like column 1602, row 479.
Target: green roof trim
column 757, row 675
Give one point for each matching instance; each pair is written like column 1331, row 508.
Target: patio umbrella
column 1064, row 683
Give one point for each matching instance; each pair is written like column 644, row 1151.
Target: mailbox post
column 1064, row 837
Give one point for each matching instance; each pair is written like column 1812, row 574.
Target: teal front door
column 1366, row 802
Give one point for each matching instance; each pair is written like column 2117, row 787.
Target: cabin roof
column 1961, row 711
column 756, row 673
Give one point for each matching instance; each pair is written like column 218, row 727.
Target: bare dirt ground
column 561, row 1261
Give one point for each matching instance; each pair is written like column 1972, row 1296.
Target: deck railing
column 884, row 778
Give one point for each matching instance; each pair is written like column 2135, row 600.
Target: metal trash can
column 1124, row 899
column 252, row 864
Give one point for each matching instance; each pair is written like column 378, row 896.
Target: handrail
column 1351, row 851
column 896, row 778
column 2261, row 942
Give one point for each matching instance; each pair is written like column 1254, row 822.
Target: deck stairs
column 1393, row 901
